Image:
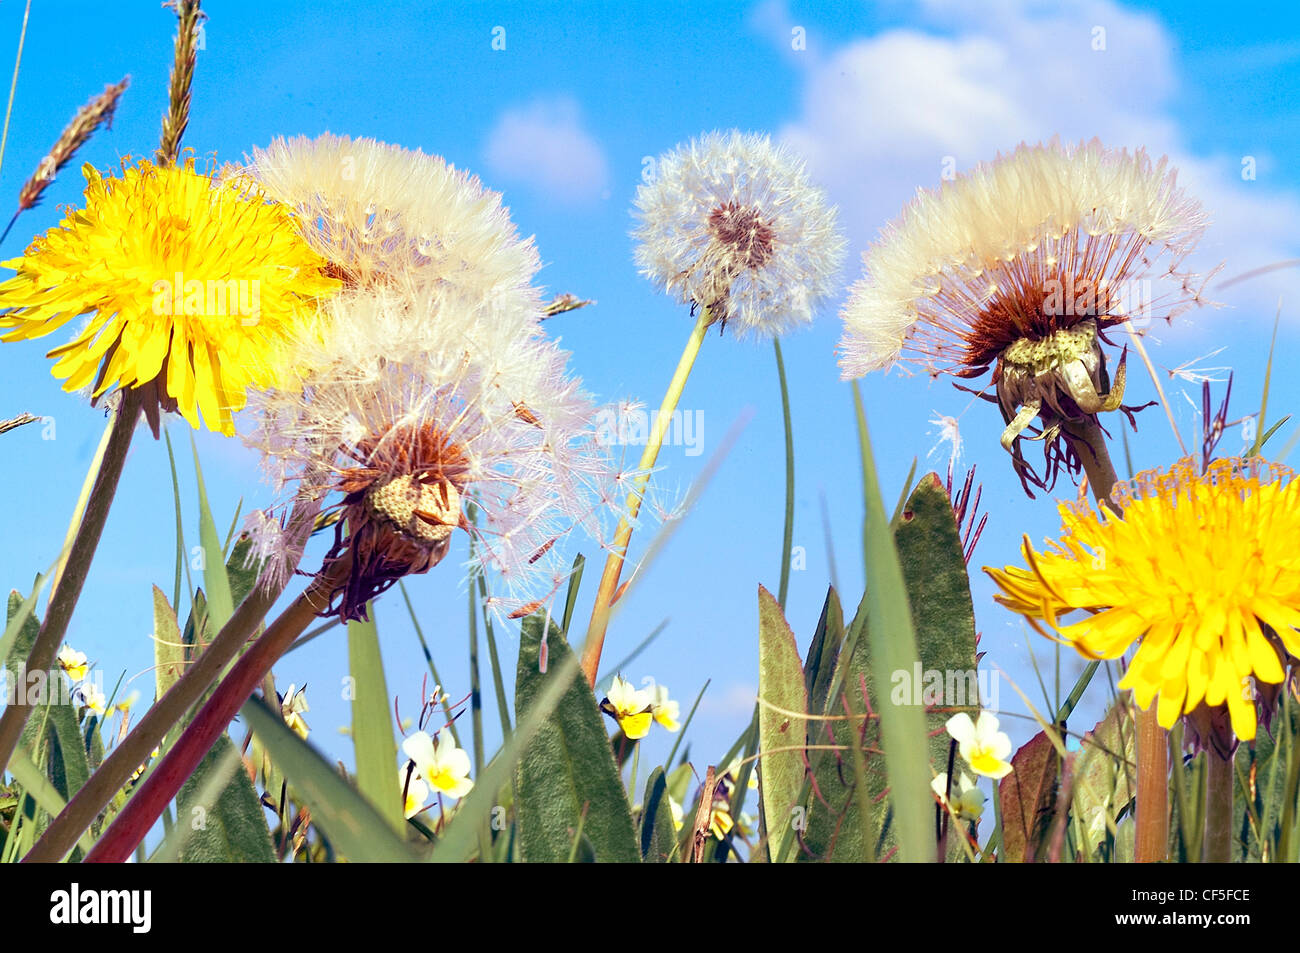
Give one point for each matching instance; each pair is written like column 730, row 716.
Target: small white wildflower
column 442, row 765
column 981, row 744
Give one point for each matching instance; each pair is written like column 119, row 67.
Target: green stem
column 1217, row 846
column 1152, row 834
column 787, row 543
column 63, row 600
column 476, row 716
column 600, row 612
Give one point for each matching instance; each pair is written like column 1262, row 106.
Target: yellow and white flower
column 293, row 704
column 665, row 710
column 417, row 792
column 439, row 763
column 981, row 744
column 73, row 663
column 967, row 800
column 632, row 708
column 92, row 698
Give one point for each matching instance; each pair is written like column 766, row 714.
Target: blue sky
column 561, row 121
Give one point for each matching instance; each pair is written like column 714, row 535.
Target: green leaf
column 780, row 686
column 491, row 796
column 824, row 652
column 1105, row 774
column 240, row 572
column 68, row 766
column 372, row 727
column 219, row 816
column 1028, row 798
column 216, row 582
column 893, row 642
column 16, row 643
column 36, row 785
column 938, row 589
column 658, row 833
column 567, row 767
column 356, row 829
column 168, row 650
column 941, row 678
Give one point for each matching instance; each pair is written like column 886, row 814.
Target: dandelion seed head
column 731, row 222
column 1020, row 267
column 408, row 421
column 966, row 269
column 378, row 211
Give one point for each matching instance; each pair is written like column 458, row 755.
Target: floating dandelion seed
column 731, row 223
column 1201, row 572
column 194, row 289
column 1021, row 265
column 949, row 433
column 407, row 415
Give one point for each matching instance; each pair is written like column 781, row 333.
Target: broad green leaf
column 21, row 630
column 240, row 572
column 781, row 691
column 1028, row 798
column 17, row 626
column 68, row 766
column 567, row 771
column 36, row 785
column 938, row 589
column 491, row 797
column 356, row 829
column 219, row 818
column 658, row 832
column 941, row 679
column 372, row 726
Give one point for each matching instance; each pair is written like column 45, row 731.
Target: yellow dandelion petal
column 198, row 285
column 1200, row 574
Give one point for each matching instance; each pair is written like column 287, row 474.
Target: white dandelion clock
column 1021, row 266
column 417, row 420
column 377, row 211
column 731, row 222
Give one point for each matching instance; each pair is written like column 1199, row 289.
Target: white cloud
column 881, row 115
column 543, row 146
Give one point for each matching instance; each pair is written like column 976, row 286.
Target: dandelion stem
column 148, row 802
column 1152, row 840
column 600, row 612
column 63, row 600
column 787, row 540
column 1217, row 845
column 151, row 730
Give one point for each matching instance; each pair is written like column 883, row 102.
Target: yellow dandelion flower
column 193, row 290
column 1201, row 572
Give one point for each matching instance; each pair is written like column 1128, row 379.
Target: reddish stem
column 118, row 843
